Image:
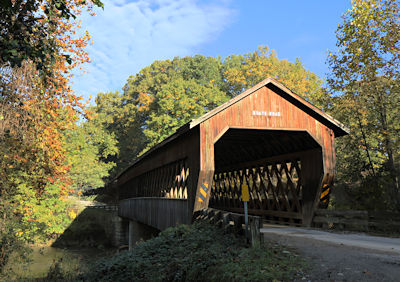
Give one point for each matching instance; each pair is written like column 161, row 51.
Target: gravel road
column 342, row 261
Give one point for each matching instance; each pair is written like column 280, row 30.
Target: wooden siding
column 159, row 213
column 168, row 181
column 186, row 147
column 296, row 100
column 264, row 109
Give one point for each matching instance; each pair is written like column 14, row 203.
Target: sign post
column 245, row 199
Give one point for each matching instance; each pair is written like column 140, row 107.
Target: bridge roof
column 338, row 128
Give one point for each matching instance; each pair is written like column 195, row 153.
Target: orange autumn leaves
column 37, row 106
column 60, row 105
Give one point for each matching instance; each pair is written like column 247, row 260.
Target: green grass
column 198, row 252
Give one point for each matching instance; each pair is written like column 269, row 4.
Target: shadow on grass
column 91, row 228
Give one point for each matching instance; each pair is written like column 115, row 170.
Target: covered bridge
column 267, row 137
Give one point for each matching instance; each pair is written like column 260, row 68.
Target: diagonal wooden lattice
column 169, row 181
column 275, row 190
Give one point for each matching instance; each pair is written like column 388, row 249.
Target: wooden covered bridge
column 269, row 138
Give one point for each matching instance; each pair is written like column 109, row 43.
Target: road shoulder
column 341, row 257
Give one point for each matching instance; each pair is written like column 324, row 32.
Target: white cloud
column 131, row 35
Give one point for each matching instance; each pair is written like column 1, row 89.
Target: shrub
column 198, row 252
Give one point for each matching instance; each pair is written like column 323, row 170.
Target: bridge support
column 312, row 172
column 139, row 232
column 131, row 241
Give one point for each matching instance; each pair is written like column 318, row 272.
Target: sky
column 130, row 35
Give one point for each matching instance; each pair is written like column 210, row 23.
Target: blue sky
column 129, row 35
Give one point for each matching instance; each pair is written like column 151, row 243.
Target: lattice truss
column 169, row 181
column 272, row 187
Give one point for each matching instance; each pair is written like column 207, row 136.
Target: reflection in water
column 45, row 256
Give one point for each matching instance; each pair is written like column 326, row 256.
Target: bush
column 12, row 247
column 198, row 252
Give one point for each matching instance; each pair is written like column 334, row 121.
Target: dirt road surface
column 341, row 256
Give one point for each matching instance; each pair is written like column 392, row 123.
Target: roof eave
column 181, row 130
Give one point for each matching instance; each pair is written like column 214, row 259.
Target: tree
column 36, row 107
column 167, row 94
column 88, row 147
column 244, row 71
column 365, row 72
column 122, row 120
column 27, row 30
column 158, row 100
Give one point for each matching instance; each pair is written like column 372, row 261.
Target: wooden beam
column 268, row 160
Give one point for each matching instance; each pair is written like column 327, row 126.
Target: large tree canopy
column 88, row 148
column 244, row 71
column 167, row 94
column 365, row 73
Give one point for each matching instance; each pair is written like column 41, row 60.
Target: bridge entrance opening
column 275, row 164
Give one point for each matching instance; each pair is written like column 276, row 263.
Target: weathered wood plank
column 159, row 213
column 280, row 214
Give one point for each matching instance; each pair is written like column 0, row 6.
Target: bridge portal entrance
column 270, row 162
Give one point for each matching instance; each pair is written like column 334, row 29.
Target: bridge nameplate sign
column 266, row 114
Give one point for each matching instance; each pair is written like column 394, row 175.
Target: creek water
column 43, row 257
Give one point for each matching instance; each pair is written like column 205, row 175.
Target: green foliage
column 39, row 209
column 36, row 107
column 167, row 94
column 177, row 103
column 267, row 263
column 365, row 74
column 27, row 30
column 198, row 252
column 88, row 147
column 10, row 241
column 15, row 35
column 368, row 42
column 245, row 71
column 43, row 216
column 157, row 101
column 120, row 118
